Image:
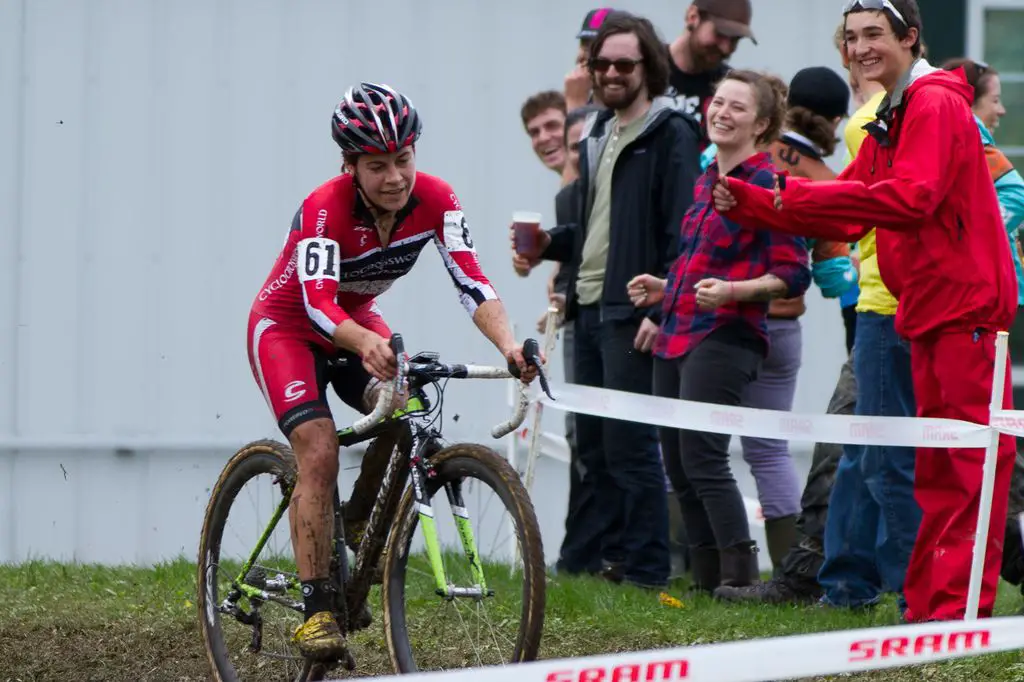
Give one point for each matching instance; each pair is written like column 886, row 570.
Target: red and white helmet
column 374, row 119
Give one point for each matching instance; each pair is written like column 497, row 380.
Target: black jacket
column 652, row 188
column 566, row 213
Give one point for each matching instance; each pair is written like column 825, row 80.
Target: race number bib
column 317, row 258
column 456, row 232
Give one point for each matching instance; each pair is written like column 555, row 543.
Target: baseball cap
column 821, row 90
column 731, row 17
column 593, row 21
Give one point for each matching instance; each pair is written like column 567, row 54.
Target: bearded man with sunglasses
column 639, row 159
column 922, row 178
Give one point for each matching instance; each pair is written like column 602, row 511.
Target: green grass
column 60, row 622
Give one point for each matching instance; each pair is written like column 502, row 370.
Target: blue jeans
column 872, row 516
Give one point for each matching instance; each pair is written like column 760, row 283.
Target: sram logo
column 635, row 672
column 899, row 647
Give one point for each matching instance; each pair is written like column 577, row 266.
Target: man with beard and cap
column 713, row 28
column 578, row 92
column 639, row 160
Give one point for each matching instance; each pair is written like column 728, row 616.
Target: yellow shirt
column 874, row 297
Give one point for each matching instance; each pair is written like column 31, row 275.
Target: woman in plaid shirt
column 714, row 333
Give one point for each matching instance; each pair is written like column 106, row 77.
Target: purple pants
column 778, row 485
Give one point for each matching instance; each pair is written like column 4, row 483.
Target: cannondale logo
column 307, row 590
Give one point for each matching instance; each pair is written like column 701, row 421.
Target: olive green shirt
column 590, row 283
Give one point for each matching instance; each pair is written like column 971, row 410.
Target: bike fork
column 462, row 523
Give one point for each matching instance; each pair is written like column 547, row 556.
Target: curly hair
column 815, row 127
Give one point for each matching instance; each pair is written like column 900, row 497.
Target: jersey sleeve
column 455, row 244
column 368, row 315
column 317, row 256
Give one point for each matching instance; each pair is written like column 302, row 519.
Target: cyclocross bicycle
column 446, row 603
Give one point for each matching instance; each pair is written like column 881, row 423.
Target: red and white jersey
column 333, row 267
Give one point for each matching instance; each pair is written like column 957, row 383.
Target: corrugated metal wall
column 152, row 155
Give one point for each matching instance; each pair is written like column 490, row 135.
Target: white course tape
column 775, row 658
column 1008, row 421
column 746, row 421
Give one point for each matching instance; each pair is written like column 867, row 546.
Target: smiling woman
column 714, row 332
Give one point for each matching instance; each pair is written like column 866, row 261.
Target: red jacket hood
column 923, row 74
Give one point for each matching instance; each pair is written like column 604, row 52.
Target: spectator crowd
column 694, row 210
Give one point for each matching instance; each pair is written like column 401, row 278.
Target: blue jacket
column 1010, row 192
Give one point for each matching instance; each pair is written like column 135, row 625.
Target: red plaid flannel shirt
column 711, row 246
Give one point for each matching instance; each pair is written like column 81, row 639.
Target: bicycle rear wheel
column 253, row 488
column 501, row 623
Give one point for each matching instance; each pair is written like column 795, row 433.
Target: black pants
column 850, row 325
column 581, row 494
column 697, row 462
column 622, row 513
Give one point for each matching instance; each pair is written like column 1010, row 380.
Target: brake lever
column 531, row 353
column 541, row 375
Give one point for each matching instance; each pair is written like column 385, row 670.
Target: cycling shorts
column 293, row 368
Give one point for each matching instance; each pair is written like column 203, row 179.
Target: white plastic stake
column 988, row 477
column 550, row 335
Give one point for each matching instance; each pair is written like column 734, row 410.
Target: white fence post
column 988, row 477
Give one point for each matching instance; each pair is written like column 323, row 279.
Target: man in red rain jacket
column 921, row 178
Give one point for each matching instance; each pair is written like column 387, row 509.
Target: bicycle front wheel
column 490, row 610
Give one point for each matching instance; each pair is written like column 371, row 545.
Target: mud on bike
column 439, row 591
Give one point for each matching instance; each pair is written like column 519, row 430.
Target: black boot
column 775, row 591
column 705, row 566
column 739, row 564
column 781, row 536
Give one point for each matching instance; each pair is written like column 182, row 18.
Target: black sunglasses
column 623, row 66
column 875, row 5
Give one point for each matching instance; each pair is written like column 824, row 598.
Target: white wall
column 150, row 165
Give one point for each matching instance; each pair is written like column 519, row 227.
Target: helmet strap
column 377, row 211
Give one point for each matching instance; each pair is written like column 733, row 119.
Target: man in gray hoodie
column 639, row 159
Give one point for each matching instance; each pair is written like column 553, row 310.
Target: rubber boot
column 679, row 550
column 739, row 564
column 781, row 536
column 706, row 567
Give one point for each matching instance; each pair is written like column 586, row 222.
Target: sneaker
column 320, row 638
column 774, row 591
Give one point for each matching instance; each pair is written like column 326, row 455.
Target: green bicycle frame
column 426, row 519
column 465, row 529
column 247, row 589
